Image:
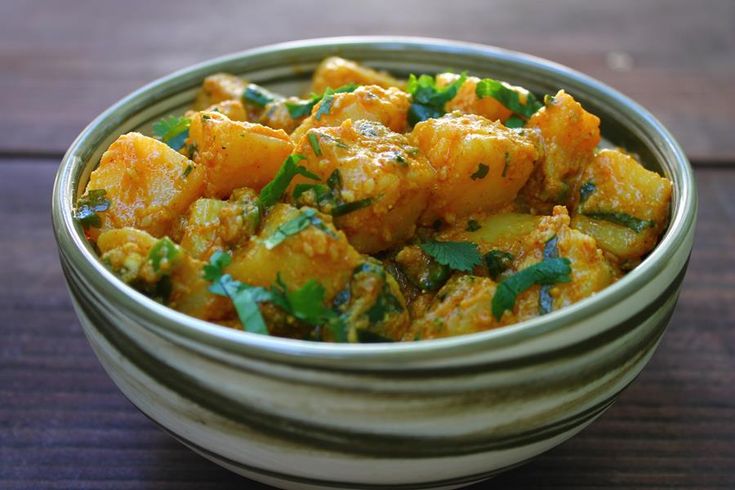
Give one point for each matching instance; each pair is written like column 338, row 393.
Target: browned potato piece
column 218, row 88
column 147, row 183
column 126, row 251
column 480, row 164
column 570, row 135
column 335, row 72
column 625, row 207
column 236, row 153
column 467, row 102
column 370, row 102
column 376, row 164
column 313, row 253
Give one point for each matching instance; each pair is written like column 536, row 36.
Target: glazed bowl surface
column 427, row 414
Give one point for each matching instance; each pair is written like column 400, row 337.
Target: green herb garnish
column 623, row 219
column 305, row 218
column 514, row 122
column 303, row 108
column 481, row 172
column 172, row 130
column 545, row 301
column 187, row 170
column 329, row 198
column 487, row 87
column 472, row 225
column 506, row 164
column 244, row 297
column 349, row 207
column 497, row 262
column 460, row 256
column 546, row 272
column 273, row 191
column 586, row 191
column 258, row 96
column 163, row 254
column 314, row 142
column 89, row 205
column 428, row 100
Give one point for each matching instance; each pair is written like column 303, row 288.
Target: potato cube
column 236, row 153
column 149, row 185
column 335, row 72
column 480, row 164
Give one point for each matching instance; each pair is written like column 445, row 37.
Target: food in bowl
column 375, row 209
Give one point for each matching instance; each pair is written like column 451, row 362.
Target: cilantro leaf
column 303, row 108
column 481, row 172
column 428, row 100
column 303, row 220
column 244, row 297
column 273, row 191
column 487, row 87
column 623, row 219
column 172, row 130
column 587, row 189
column 325, row 105
column 329, row 198
column 349, row 207
column 460, row 256
column 514, row 122
column 545, row 301
column 546, row 272
column 89, row 205
column 163, row 254
column 314, row 142
column 307, row 305
column 497, row 262
column 257, row 95
column 472, row 225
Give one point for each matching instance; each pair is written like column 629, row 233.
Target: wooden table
column 63, row 424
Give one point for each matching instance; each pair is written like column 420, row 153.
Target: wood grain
column 63, row 63
column 63, row 424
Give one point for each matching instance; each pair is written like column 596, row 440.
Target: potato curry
column 373, row 210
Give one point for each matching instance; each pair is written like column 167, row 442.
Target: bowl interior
column 287, row 68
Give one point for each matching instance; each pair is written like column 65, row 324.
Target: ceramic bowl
column 428, row 414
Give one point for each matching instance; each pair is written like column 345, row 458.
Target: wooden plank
column 63, row 424
column 64, row 64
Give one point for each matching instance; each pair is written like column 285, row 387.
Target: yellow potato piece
column 335, row 72
column 622, row 185
column 467, row 102
column 480, row 164
column 236, row 153
column 309, row 254
column 369, row 102
column 218, row 88
column 569, row 135
column 378, row 164
column 147, row 183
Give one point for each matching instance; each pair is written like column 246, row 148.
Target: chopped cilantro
column 487, row 87
column 187, row 170
column 325, row 105
column 514, row 122
column 587, row 189
column 399, row 158
column 506, row 164
column 623, row 219
column 172, row 130
column 472, row 225
column 428, row 100
column 349, row 207
column 273, row 191
column 481, row 172
column 545, row 301
column 303, row 108
column 163, row 254
column 460, row 256
column 303, row 220
column 307, row 305
column 314, row 142
column 89, row 205
column 257, row 95
column 548, row 271
column 497, row 262
column 244, row 297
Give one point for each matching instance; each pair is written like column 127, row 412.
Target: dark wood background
column 63, row 424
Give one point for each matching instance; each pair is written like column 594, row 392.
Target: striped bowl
column 428, row 414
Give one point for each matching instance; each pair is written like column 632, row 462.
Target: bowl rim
column 74, row 247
